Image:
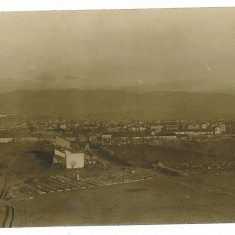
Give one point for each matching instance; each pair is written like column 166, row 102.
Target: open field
column 162, row 200
column 25, row 158
column 155, row 200
column 143, row 156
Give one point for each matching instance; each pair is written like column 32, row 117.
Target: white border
column 208, row 229
column 46, row 5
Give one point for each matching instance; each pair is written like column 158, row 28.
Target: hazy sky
column 128, row 47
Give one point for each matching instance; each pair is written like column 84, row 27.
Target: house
column 217, row 130
column 133, row 128
column 205, row 125
column 156, row 128
column 76, row 125
column 221, row 126
column 193, row 126
column 63, row 126
column 93, row 138
column 106, row 136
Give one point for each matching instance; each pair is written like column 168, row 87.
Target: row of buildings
column 39, row 125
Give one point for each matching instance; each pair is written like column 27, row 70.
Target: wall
column 59, row 157
column 27, row 139
column 74, row 160
column 5, row 140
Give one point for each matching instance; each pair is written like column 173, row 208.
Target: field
column 143, row 156
column 25, row 158
column 157, row 200
column 162, row 200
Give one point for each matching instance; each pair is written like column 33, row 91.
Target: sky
column 75, row 49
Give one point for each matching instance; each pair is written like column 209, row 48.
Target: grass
column 159, row 201
column 26, row 159
column 143, row 156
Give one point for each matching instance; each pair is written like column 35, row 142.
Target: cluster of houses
column 42, row 124
column 122, row 131
column 163, row 130
column 190, row 128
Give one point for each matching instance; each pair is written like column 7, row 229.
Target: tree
column 73, row 164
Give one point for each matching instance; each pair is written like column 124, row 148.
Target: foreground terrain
column 158, row 200
column 162, row 200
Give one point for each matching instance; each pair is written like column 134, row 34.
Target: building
column 63, row 126
column 217, row 130
column 69, row 159
column 221, row 126
column 172, row 127
column 106, row 136
column 205, row 125
column 193, row 126
column 195, row 132
column 75, row 160
column 156, row 128
column 66, row 155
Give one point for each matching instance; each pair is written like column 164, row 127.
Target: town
column 13, row 126
column 203, row 137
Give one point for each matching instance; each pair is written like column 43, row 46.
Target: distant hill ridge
column 73, row 102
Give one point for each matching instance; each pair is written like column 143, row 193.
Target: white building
column 69, row 159
column 75, row 160
column 205, row 125
column 217, row 130
column 65, row 155
column 106, row 136
column 157, row 128
column 63, row 126
column 221, row 126
column 193, row 126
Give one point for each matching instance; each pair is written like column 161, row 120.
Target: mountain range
column 117, row 103
column 200, row 85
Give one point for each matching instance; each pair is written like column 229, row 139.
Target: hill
column 117, row 103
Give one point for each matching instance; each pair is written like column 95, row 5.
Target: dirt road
column 7, row 211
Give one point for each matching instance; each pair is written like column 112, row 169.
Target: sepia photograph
column 117, row 117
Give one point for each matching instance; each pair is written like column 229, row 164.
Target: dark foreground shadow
column 45, row 158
